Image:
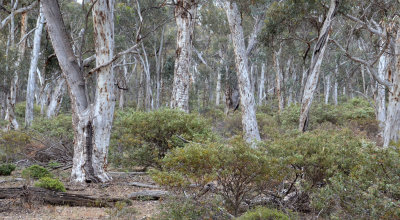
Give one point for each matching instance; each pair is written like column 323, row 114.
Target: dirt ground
column 118, row 188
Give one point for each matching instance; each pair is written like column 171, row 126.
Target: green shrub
column 122, row 211
column 262, row 213
column 142, row 138
column 6, row 169
column 36, row 172
column 12, row 143
column 183, row 208
column 51, row 184
column 20, row 108
column 59, row 127
column 237, row 168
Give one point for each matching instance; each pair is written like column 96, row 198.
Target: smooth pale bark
column 146, row 68
column 363, row 78
column 158, row 58
column 30, row 91
column 185, row 13
column 315, row 65
column 279, row 80
column 12, row 98
column 141, row 89
column 261, row 87
column 292, row 88
column 380, row 94
column 218, row 87
column 56, row 98
column 249, row 121
column 392, row 125
column 335, row 86
column 91, row 123
column 327, row 88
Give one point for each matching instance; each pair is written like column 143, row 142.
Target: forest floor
column 118, row 188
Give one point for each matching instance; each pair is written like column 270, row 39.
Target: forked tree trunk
column 30, row 91
column 249, row 121
column 56, row 98
column 12, row 98
column 91, row 123
column 392, row 125
column 185, row 15
column 315, row 66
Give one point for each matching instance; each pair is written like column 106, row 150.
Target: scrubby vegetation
column 335, row 171
column 51, row 184
column 6, row 169
column 36, row 172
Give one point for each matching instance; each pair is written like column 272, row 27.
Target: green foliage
column 36, row 172
column 20, row 110
column 262, row 213
column 51, row 184
column 122, row 210
column 12, row 143
column 236, row 167
column 59, row 127
column 142, row 138
column 6, row 169
column 182, row 208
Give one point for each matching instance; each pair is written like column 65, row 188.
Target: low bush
column 142, row 138
column 59, row 127
column 20, row 108
column 51, row 184
column 6, row 169
column 237, row 168
column 183, row 208
column 36, row 172
column 263, row 213
column 12, row 144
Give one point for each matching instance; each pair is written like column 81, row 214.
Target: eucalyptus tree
column 185, row 17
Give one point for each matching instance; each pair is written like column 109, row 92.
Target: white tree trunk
column 316, row 61
column 380, row 96
column 392, row 125
column 91, row 123
column 327, row 88
column 185, row 13
column 56, row 98
column 13, row 124
column 335, row 86
column 218, row 88
column 279, row 80
column 249, row 121
column 261, row 88
column 158, row 57
column 30, row 91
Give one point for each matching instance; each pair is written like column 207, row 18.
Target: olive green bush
column 59, row 127
column 20, row 111
column 12, row 144
column 238, row 169
column 263, row 213
column 6, row 169
column 36, row 172
column 51, row 184
column 142, row 138
column 184, row 208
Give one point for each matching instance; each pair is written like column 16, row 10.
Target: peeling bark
column 315, row 66
column 249, row 121
column 56, row 98
column 185, row 13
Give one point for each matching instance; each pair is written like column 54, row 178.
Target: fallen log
column 148, row 195
column 117, row 174
column 31, row 194
column 144, row 185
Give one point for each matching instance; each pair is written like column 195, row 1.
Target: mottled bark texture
column 185, row 13
column 91, row 123
column 315, row 65
column 249, row 121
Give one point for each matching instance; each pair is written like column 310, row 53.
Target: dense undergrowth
column 336, row 170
